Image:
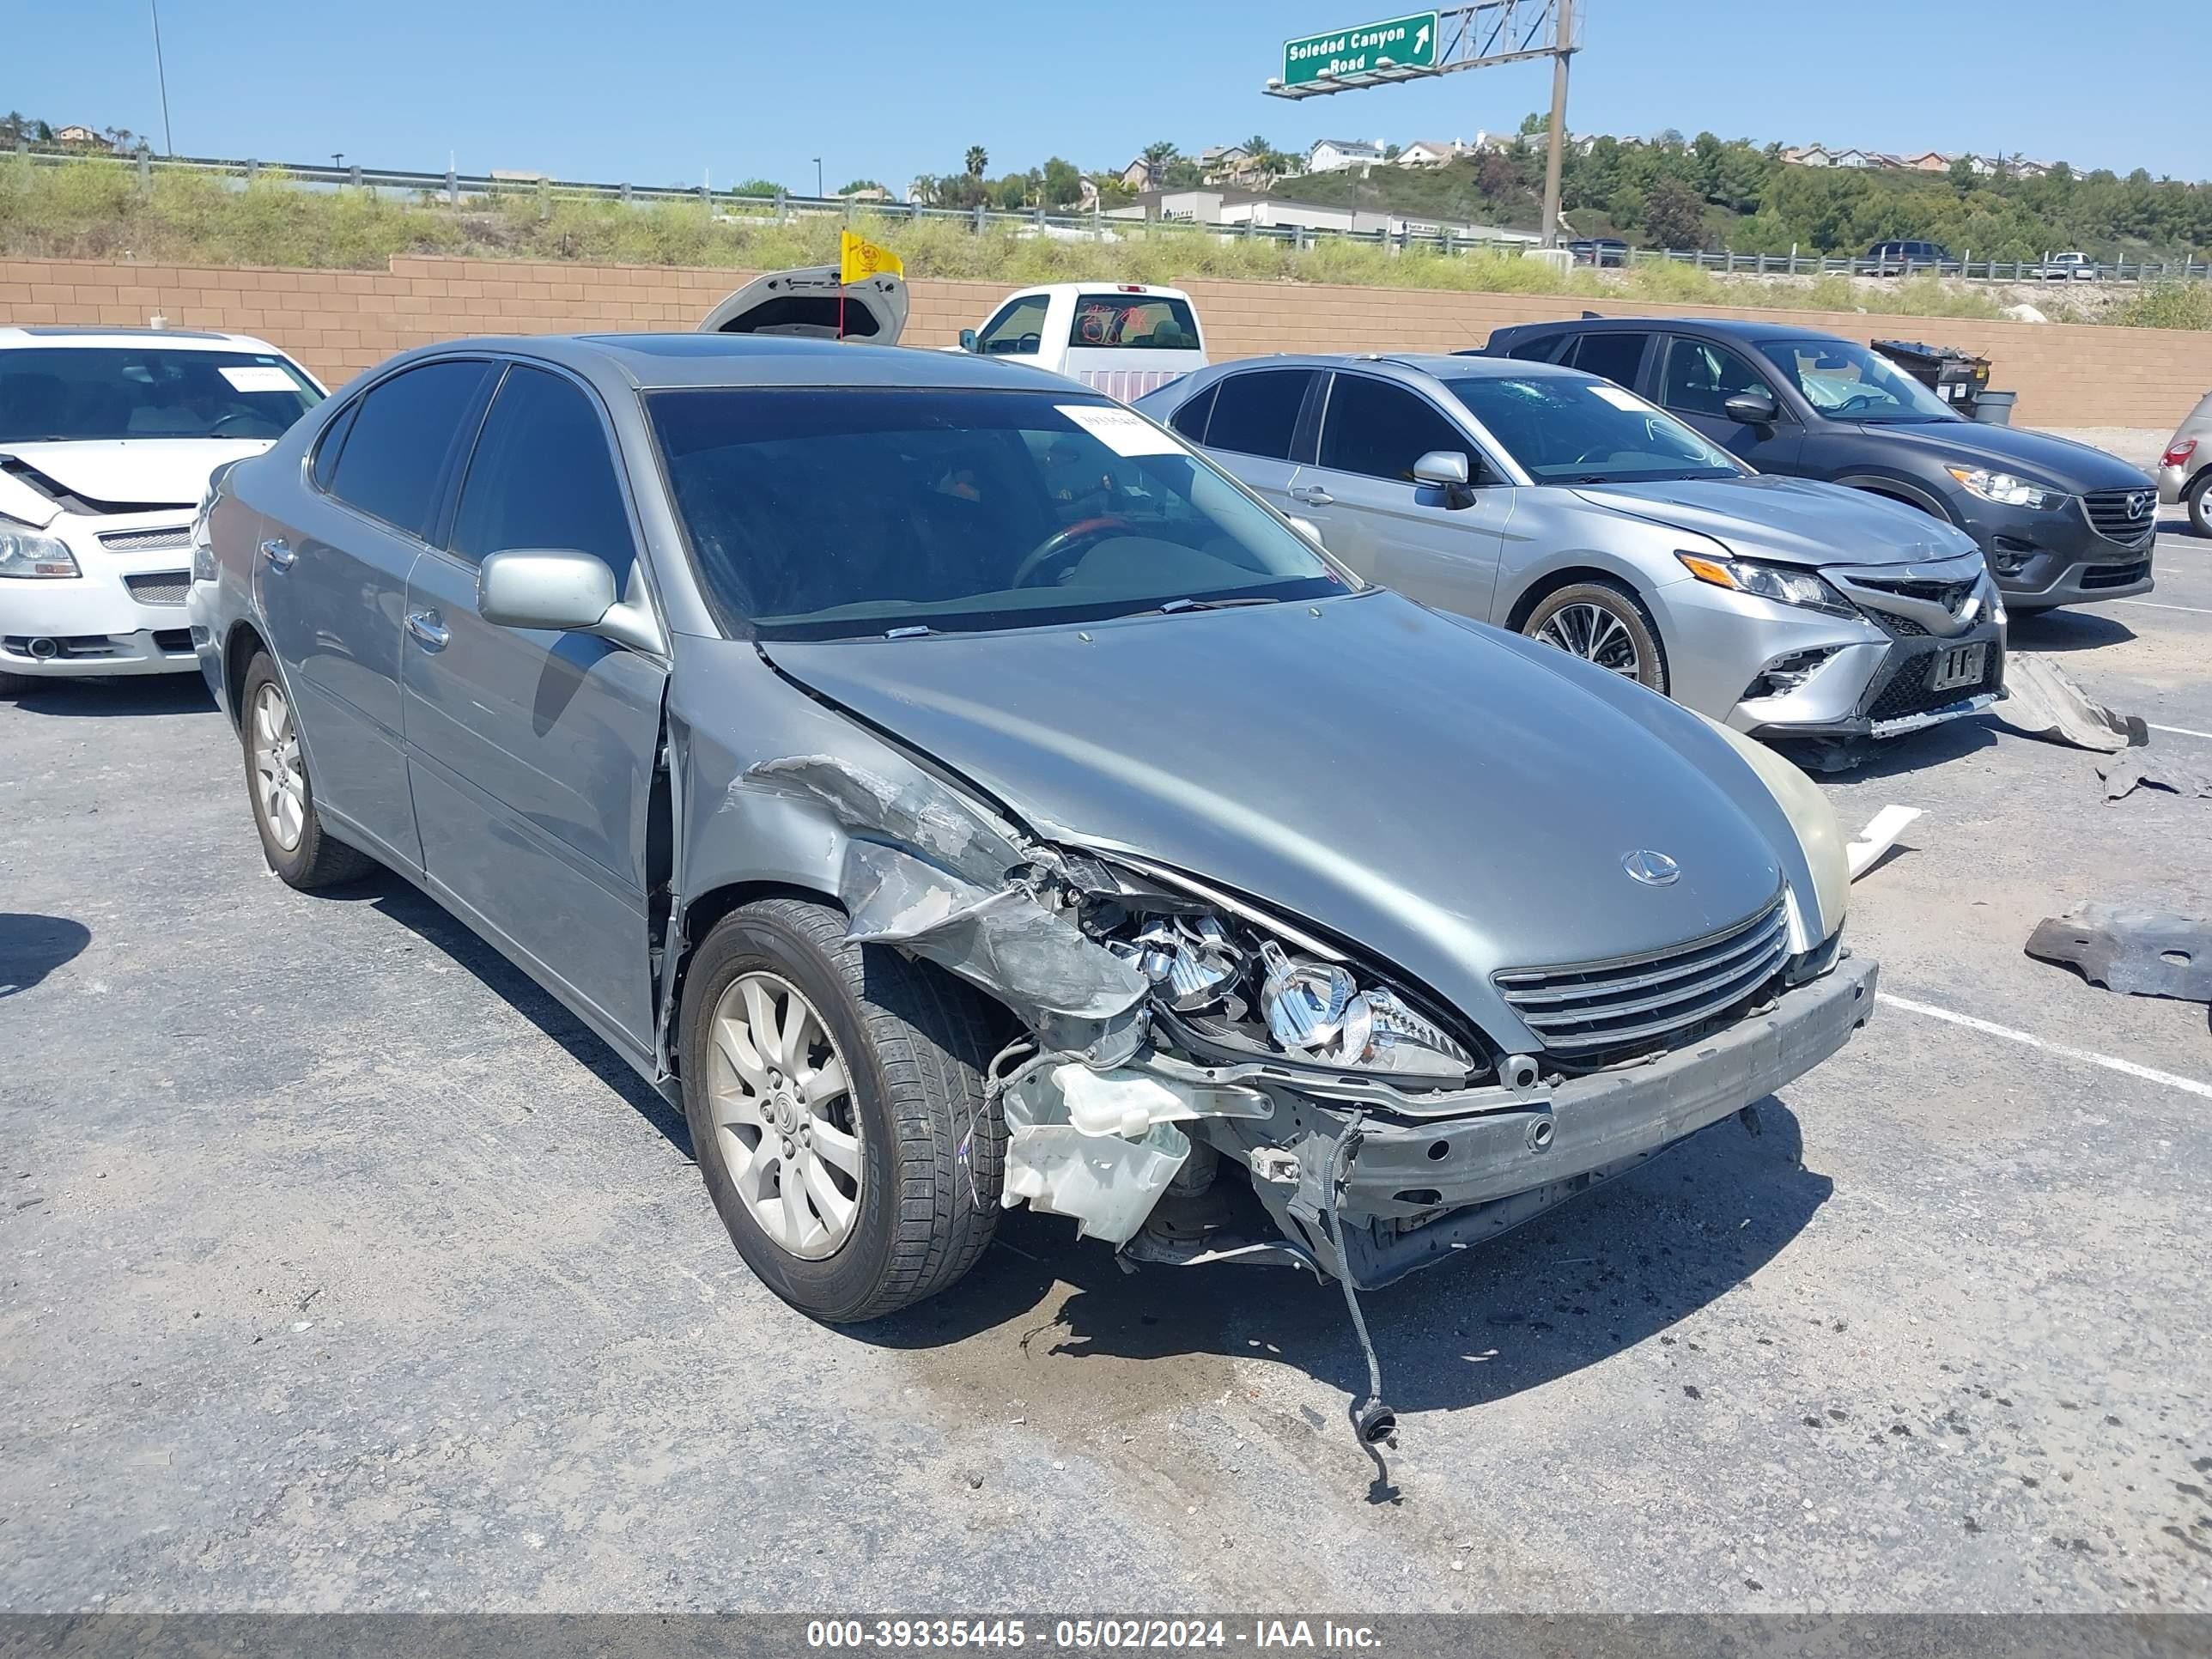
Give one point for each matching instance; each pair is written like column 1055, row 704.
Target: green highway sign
column 1402, row 43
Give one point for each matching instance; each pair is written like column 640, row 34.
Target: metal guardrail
column 455, row 187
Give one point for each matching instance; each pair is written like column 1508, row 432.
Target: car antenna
column 1593, row 317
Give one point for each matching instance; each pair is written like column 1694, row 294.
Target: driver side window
column 1702, row 377
column 1017, row 331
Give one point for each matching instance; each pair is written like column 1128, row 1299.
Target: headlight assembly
column 1227, row 981
column 2005, row 489
column 1784, row 583
column 27, row 553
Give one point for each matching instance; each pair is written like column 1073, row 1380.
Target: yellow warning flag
column 858, row 260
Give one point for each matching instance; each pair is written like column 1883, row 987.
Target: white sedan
column 107, row 437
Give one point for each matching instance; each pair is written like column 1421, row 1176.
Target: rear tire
column 293, row 839
column 913, row 1205
column 2199, row 498
column 1603, row 622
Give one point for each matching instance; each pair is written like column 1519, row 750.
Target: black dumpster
column 1959, row 377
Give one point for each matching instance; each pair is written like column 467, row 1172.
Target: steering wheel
column 1061, row 543
column 215, row 430
column 1596, row 451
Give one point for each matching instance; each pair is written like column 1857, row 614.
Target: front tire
column 2199, row 498
column 834, row 1095
column 1602, row 622
column 293, row 839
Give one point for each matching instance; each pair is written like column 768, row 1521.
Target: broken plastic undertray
column 2143, row 953
column 2041, row 701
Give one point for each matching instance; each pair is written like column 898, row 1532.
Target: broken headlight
column 1317, row 1009
column 1227, row 984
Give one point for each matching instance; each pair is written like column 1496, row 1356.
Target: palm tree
column 1159, row 155
column 978, row 159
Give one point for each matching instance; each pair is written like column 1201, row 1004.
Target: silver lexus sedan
column 956, row 791
column 1560, row 506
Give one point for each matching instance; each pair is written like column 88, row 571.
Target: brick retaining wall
column 340, row 322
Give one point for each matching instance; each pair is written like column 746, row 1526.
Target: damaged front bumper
column 1415, row 1191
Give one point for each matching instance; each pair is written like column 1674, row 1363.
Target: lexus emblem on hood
column 1652, row 869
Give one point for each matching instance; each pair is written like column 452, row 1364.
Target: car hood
column 1450, row 799
column 1795, row 521
column 128, row 474
column 2054, row 463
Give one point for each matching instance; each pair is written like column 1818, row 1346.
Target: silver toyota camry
column 1560, row 506
column 957, row 792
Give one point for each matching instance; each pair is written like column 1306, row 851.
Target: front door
column 1699, row 377
column 532, row 753
column 1437, row 546
column 331, row 578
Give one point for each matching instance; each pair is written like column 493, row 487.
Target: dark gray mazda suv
column 2059, row 523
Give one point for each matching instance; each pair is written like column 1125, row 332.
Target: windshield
column 66, row 393
column 1848, row 382
column 1576, row 429
column 820, row 513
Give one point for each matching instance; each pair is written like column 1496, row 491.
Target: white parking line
column 1988, row 1028
column 2181, row 732
column 2152, row 604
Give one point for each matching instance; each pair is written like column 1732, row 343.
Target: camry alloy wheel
column 1591, row 632
column 277, row 777
column 782, row 1101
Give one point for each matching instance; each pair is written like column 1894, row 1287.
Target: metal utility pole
column 817, row 178
column 169, row 143
column 1563, row 49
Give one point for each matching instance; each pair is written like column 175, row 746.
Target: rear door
column 1377, row 519
column 1252, row 427
column 1127, row 342
column 532, row 753
column 1699, row 377
column 331, row 581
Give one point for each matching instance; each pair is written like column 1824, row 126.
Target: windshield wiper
column 1171, row 607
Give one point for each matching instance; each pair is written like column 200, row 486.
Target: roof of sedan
column 21, row 335
column 655, row 360
column 1734, row 328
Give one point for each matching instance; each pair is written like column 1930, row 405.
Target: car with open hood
column 2059, row 523
column 107, row 438
column 1563, row 506
column 957, row 792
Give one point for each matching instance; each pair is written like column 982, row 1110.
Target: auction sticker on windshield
column 256, row 378
column 1619, row 399
column 1121, row 430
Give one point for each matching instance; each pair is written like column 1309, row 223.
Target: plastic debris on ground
column 2137, row 952
column 2042, row 702
column 2147, row 769
column 1879, row 836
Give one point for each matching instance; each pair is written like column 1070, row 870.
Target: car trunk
column 810, row 302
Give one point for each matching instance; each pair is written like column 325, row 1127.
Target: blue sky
column 665, row 91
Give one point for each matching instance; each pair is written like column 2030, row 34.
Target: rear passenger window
column 1541, row 350
column 1190, row 419
column 395, row 449
column 543, row 476
column 1615, row 356
column 332, row 441
column 1380, row 430
column 1257, row 413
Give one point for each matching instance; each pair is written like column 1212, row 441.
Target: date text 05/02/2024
column 1088, row 1635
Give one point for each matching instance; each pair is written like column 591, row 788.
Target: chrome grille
column 1586, row 1010
column 2122, row 515
column 147, row 541
column 159, row 586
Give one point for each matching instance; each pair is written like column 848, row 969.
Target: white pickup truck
column 1124, row 339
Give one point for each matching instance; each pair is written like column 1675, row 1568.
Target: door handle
column 1312, row 496
column 428, row 630
column 279, row 554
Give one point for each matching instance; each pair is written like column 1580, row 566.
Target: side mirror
column 968, row 339
column 1443, row 467
column 562, row 589
column 1753, row 408
column 1309, row 530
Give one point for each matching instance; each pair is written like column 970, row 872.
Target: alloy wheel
column 1594, row 634
column 782, row 1101
column 278, row 779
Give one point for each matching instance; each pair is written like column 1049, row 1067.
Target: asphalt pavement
column 342, row 1269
